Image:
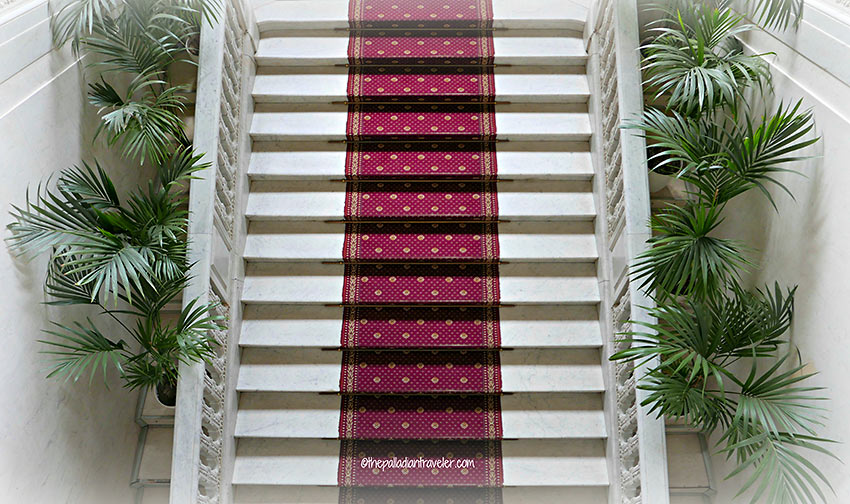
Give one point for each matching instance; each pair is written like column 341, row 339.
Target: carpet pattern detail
column 420, row 416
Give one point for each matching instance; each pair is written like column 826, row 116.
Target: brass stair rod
column 424, row 181
column 446, row 221
column 420, row 103
column 421, row 349
column 413, row 305
column 420, row 263
column 408, row 140
column 420, row 30
column 449, row 65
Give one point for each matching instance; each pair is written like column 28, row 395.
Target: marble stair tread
column 520, row 326
column 524, row 416
column 295, row 494
column 270, row 241
column 333, row 14
column 518, row 201
column 516, row 160
column 330, row 86
column 520, row 283
column 574, row 462
column 316, row 370
column 323, row 48
column 306, row 123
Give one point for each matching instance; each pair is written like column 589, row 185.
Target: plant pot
column 166, row 393
column 658, row 181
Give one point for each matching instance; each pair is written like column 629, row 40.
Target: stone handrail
column 203, row 450
column 636, row 451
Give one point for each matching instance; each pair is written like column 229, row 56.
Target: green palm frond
column 51, row 219
column 726, row 158
column 682, row 145
column 779, row 14
column 166, row 345
column 683, row 259
column 78, row 18
column 683, row 340
column 674, row 396
column 781, row 473
column 144, row 127
column 193, row 331
column 90, row 186
column 179, row 169
column 773, row 402
column 110, row 264
column 774, row 419
column 756, row 150
column 752, row 324
column 697, row 64
column 131, row 45
column 109, row 250
column 65, row 287
column 82, row 349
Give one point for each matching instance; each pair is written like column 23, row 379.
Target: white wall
column 59, row 442
column 806, row 242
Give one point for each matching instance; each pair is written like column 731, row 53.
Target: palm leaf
column 693, row 61
column 78, row 18
column 683, row 259
column 778, row 14
column 82, row 349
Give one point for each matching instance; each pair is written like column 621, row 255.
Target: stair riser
column 329, row 49
column 526, row 284
column 553, row 161
column 524, row 416
column 309, row 370
column 526, row 463
column 246, row 494
column 517, row 201
column 328, row 87
column 518, row 242
column 520, row 326
column 333, row 14
column 515, row 123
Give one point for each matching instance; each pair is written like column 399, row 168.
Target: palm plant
column 684, row 260
column 124, row 258
column 766, row 417
column 775, row 14
column 706, row 325
column 721, row 160
column 725, row 157
column 140, row 39
column 697, row 64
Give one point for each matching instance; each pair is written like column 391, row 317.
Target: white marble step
column 323, row 48
column 519, row 122
column 271, row 241
column 516, row 160
column 333, row 14
column 524, row 416
column 315, row 370
column 518, row 201
column 532, row 85
column 270, row 494
column 520, row 326
column 519, row 283
column 575, row 462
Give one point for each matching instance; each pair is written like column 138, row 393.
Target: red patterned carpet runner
column 420, row 418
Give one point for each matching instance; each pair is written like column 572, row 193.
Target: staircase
column 288, row 414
